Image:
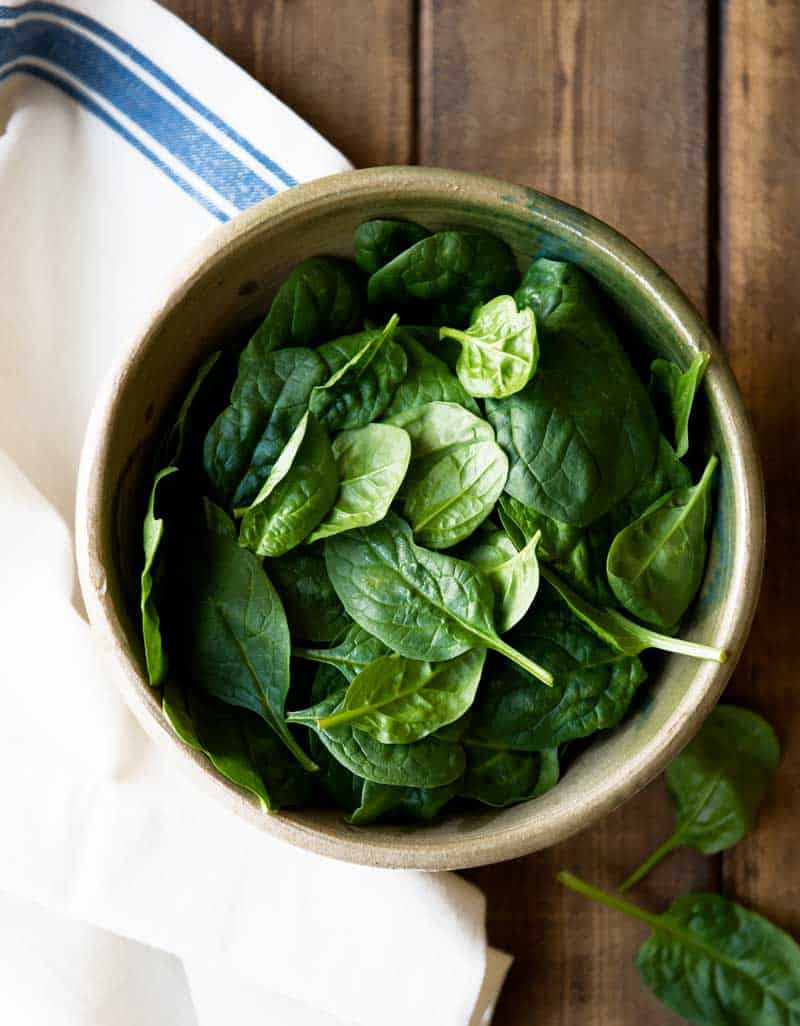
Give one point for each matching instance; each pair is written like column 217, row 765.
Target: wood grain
column 760, row 253
column 347, row 66
column 605, row 105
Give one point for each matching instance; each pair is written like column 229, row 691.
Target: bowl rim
column 739, row 607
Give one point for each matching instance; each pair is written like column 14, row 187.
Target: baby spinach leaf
column 322, row 298
column 267, row 403
column 231, row 630
column 239, row 744
column 365, row 370
column 713, row 961
column 717, row 784
column 416, row 804
column 379, row 241
column 428, row 379
column 667, row 474
column 500, row 777
column 397, row 700
column 499, row 351
column 593, row 688
column 673, row 392
column 452, row 271
column 294, row 498
column 655, row 565
column 195, row 412
column 312, row 609
column 152, row 533
column 623, row 634
column 371, row 463
column 426, row 763
column 424, row 605
column 573, row 454
column 355, row 651
column 457, row 472
column 513, row 575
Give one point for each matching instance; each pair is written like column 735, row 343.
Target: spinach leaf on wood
column 397, row 700
column 231, row 629
column 500, row 777
column 371, row 463
column 355, row 651
column 365, row 369
column 499, row 350
column 322, row 298
column 426, row 763
column 717, row 784
column 422, row 604
column 582, row 433
column 673, row 392
column 451, row 271
column 623, row 634
column 428, row 379
column 655, row 565
column 593, row 688
column 239, row 744
column 268, row 401
column 296, row 497
column 713, row 961
column 457, row 472
column 377, row 242
column 514, row 575
column 312, row 609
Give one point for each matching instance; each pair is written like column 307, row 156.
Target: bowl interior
column 229, row 285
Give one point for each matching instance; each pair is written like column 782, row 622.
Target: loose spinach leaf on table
column 229, row 625
column 364, row 371
column 268, row 401
column 355, row 651
column 397, row 700
column 428, row 379
column 499, row 350
column 422, row 604
column 655, row 565
column 717, row 784
column 321, row 299
column 312, row 608
column 451, row 271
column 371, row 463
column 593, row 684
column 623, row 634
column 426, row 763
column 500, row 777
column 239, row 744
column 514, row 575
column 582, row 433
column 457, row 472
column 379, row 241
column 673, row 392
column 713, row 961
column 296, row 496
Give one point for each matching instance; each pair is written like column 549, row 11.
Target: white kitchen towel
column 125, row 139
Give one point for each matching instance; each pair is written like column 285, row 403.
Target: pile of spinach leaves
column 412, row 542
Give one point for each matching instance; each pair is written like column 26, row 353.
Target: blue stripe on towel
column 40, row 7
column 87, row 102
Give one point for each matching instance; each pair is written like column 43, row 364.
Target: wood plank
column 603, row 104
column 760, row 253
column 346, row 67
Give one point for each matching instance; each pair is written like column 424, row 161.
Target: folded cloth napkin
column 125, row 140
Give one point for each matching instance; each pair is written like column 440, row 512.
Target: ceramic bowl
column 228, row 283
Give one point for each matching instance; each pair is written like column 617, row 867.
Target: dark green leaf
column 312, row 608
column 673, row 392
column 356, row 650
column 422, row 604
column 583, row 432
column 152, row 533
column 428, row 379
column 717, row 784
column 415, row 804
column 379, row 241
column 500, row 777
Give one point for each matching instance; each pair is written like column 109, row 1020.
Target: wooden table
column 678, row 123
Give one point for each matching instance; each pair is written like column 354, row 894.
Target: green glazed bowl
column 229, row 282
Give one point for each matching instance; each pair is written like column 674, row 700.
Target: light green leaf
column 514, row 575
column 673, row 392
